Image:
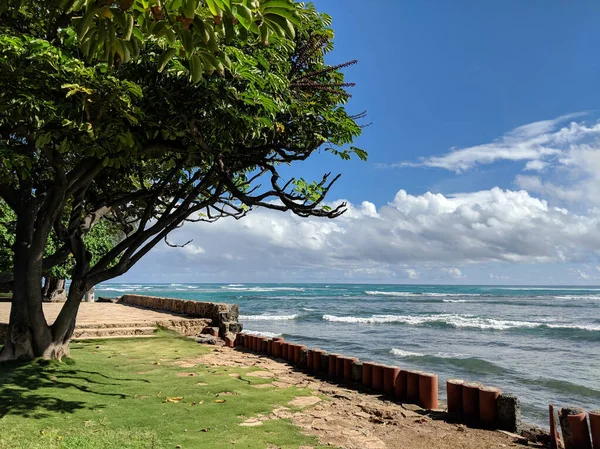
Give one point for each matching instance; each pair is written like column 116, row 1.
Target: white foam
column 403, row 353
column 262, row 289
column 235, row 285
column 443, row 355
column 454, row 320
column 423, row 294
column 443, row 295
column 590, row 327
column 565, row 289
column 263, row 334
column 576, row 297
column 267, row 317
column 456, row 300
column 378, row 293
column 114, row 289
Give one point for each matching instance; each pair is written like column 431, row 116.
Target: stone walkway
column 347, row 418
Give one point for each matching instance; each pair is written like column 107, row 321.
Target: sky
column 484, row 157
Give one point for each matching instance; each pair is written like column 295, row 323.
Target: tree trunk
column 54, row 289
column 28, row 334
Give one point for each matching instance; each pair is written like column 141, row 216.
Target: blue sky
column 484, row 161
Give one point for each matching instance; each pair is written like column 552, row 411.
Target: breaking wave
column 267, row 317
column 263, row 334
column 262, row 289
column 458, row 321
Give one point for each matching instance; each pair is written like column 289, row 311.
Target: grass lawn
column 113, row 394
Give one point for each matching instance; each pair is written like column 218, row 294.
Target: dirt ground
column 346, row 418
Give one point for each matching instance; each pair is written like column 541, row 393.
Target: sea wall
column 224, row 316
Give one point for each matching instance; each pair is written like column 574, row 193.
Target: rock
column 103, row 299
column 304, row 401
column 509, row 412
column 536, row 434
column 412, row 407
column 206, row 340
column 324, row 362
column 357, row 371
column 303, row 358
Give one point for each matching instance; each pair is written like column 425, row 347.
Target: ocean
column 540, row 343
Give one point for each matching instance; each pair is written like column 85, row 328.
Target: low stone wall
column 224, row 316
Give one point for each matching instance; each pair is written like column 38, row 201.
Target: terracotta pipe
column 333, row 364
column 264, row 342
column 470, row 400
column 256, row 343
column 554, row 437
column 454, row 395
column 317, row 360
column 270, row 347
column 377, row 380
column 428, row 391
column 390, row 374
column 309, row 360
column 400, row 385
column 250, row 345
column 573, row 422
column 277, row 349
column 348, row 368
column 595, row 427
column 367, row 374
column 291, row 354
column 412, row 386
column 298, row 353
column 339, row 367
column 284, row 349
column 488, row 399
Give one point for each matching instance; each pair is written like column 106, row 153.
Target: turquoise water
column 541, row 343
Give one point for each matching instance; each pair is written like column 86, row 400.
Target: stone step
column 124, row 325
column 194, row 322
column 111, row 337
column 113, row 331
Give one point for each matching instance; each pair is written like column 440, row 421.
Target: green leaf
column 212, row 6
column 196, row 68
column 189, row 8
column 165, row 58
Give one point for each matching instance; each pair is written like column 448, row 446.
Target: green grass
column 112, row 394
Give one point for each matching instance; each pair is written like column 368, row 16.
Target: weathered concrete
column 509, row 412
column 97, row 320
column 224, row 316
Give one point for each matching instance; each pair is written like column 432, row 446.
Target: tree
column 101, row 239
column 147, row 114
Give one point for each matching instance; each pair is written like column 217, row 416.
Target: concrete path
column 113, row 320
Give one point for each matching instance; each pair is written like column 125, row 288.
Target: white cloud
column 567, row 154
column 533, row 142
column 412, row 273
column 406, row 239
column 452, row 272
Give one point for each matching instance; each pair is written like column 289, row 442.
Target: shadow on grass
column 38, row 388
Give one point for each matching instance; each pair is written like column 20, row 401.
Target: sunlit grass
column 113, row 394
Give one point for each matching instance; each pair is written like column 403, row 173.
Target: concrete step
column 111, row 337
column 125, row 325
column 113, row 332
column 198, row 322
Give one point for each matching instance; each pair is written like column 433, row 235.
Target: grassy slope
column 113, row 396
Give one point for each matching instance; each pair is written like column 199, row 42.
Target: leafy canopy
column 148, row 113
